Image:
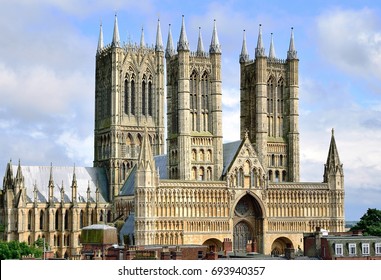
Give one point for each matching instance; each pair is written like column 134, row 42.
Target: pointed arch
column 144, row 95
column 127, row 94
column 150, row 96
column 133, row 95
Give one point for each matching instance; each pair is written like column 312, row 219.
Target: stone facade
column 203, row 191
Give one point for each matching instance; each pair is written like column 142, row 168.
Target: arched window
column 66, row 220
column 126, row 95
column 56, row 220
column 201, row 174
column 41, row 220
column 81, row 219
column 194, row 153
column 29, row 219
column 202, row 155
column 209, row 155
column 194, row 173
column 150, row 97
column 193, row 100
column 144, row 97
column 133, row 97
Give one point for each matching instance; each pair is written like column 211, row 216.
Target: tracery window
column 133, row 96
column 127, row 95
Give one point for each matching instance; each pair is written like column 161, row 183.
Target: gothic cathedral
column 201, row 191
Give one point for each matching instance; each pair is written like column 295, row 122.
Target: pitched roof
column 63, row 176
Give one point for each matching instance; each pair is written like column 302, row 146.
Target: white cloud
column 351, row 40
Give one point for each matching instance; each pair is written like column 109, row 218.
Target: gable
column 245, row 158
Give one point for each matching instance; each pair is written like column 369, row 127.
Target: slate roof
column 230, row 151
column 63, row 176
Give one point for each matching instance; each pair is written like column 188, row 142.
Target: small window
column 338, row 249
column 365, row 248
column 352, row 249
column 377, row 248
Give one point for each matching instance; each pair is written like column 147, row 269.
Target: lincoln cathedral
column 166, row 174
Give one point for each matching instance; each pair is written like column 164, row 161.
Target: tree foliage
column 370, row 223
column 16, row 250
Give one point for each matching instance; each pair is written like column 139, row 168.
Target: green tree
column 16, row 250
column 370, row 222
column 5, row 253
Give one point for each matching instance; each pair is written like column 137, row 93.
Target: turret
column 100, row 40
column 115, row 36
column 74, row 188
column 333, row 169
column 170, row 50
column 159, row 40
column 244, row 56
column 142, row 41
column 293, row 134
column 19, row 180
column 272, row 54
column 51, row 187
column 200, row 45
column 145, row 183
column 215, row 46
column 261, row 104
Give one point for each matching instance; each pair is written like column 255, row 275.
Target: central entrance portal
column 248, row 226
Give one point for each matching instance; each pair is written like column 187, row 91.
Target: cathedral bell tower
column 194, row 109
column 269, row 108
column 129, row 96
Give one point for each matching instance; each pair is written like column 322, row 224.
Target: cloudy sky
column 47, row 75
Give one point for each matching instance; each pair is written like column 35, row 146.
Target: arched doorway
column 248, row 226
column 213, row 244
column 279, row 246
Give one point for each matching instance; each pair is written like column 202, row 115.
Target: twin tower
column 129, row 98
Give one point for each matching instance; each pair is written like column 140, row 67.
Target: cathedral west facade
column 200, row 190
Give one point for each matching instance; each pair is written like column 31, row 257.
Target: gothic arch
column 279, row 245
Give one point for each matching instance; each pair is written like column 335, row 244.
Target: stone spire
column 74, row 188
column 170, row 50
column 292, row 53
column 88, row 192
column 244, row 56
column 200, row 45
column 272, row 48
column 215, row 46
column 333, row 164
column 115, row 37
column 19, row 176
column 183, row 44
column 100, row 40
column 142, row 42
column 333, row 154
column 51, row 186
column 159, row 41
column 260, row 50
column 146, row 156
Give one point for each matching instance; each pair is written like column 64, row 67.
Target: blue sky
column 47, row 76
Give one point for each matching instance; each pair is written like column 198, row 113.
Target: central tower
column 194, row 109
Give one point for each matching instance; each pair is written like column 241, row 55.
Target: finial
column 170, row 49
column 244, row 56
column 215, row 46
column 100, row 40
column 333, row 132
column 272, row 48
column 142, row 42
column 159, row 41
column 260, row 50
column 292, row 53
column 183, row 44
column 200, row 45
column 115, row 37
